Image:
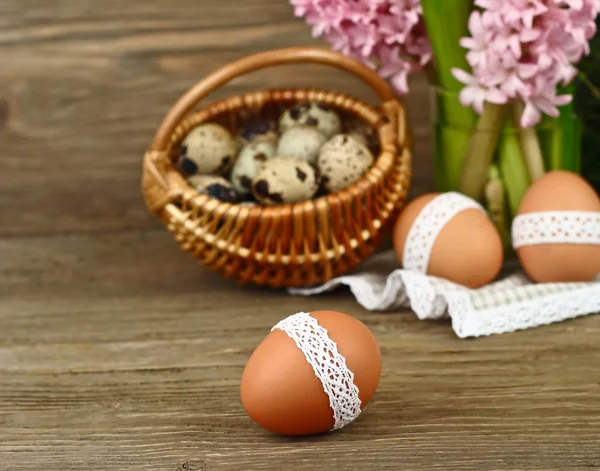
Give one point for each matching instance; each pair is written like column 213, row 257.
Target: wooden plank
column 137, row 366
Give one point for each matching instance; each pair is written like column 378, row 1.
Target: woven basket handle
column 260, row 61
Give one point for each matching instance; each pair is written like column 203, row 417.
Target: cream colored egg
column 314, row 114
column 251, row 159
column 302, row 142
column 343, row 160
column 284, row 180
column 208, row 149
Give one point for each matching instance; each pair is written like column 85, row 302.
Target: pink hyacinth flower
column 388, row 35
column 523, row 50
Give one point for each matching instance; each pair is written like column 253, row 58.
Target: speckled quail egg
column 311, row 114
column 213, row 186
column 260, row 130
column 343, row 161
column 251, row 159
column 285, row 180
column 362, row 132
column 208, row 149
column 302, row 142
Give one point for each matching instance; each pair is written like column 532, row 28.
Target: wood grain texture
column 118, row 352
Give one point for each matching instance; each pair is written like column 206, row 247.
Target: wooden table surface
column 119, row 352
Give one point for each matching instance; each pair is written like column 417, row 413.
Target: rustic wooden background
column 118, row 352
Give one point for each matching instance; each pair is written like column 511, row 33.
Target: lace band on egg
column 427, row 226
column 556, row 227
column 328, row 364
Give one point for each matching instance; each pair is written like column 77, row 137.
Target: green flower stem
column 513, row 169
column 549, row 142
column 451, row 144
column 570, row 133
column 561, row 137
column 446, row 23
column 480, row 154
column 495, row 201
column 530, row 145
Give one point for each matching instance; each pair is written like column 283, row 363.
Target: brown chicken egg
column 313, row 373
column 449, row 236
column 557, row 232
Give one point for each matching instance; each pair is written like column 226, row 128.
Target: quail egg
column 283, row 180
column 311, row 114
column 362, row 132
column 208, row 149
column 213, row 186
column 261, row 130
column 343, row 160
column 302, row 142
column 251, row 159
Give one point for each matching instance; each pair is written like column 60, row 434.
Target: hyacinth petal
column 530, row 35
column 513, row 86
column 548, row 107
column 478, row 103
column 318, row 30
column 477, row 59
column 568, row 74
column 473, row 96
column 487, row 4
column 466, row 97
column 544, row 61
column 515, row 45
column 527, row 71
column 399, row 82
column 531, row 115
column 576, row 4
column 496, row 96
column 562, row 100
column 475, row 25
column 462, row 76
column 528, row 19
column 468, row 43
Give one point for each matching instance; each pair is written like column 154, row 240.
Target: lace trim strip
column 556, row 227
column 428, row 225
column 327, row 363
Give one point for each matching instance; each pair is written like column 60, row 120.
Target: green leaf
column 446, row 22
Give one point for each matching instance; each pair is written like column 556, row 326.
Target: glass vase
column 507, row 156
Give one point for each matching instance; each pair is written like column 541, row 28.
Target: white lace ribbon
column 510, row 304
column 428, row 225
column 556, row 227
column 327, row 363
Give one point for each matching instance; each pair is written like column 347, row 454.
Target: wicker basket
column 288, row 245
